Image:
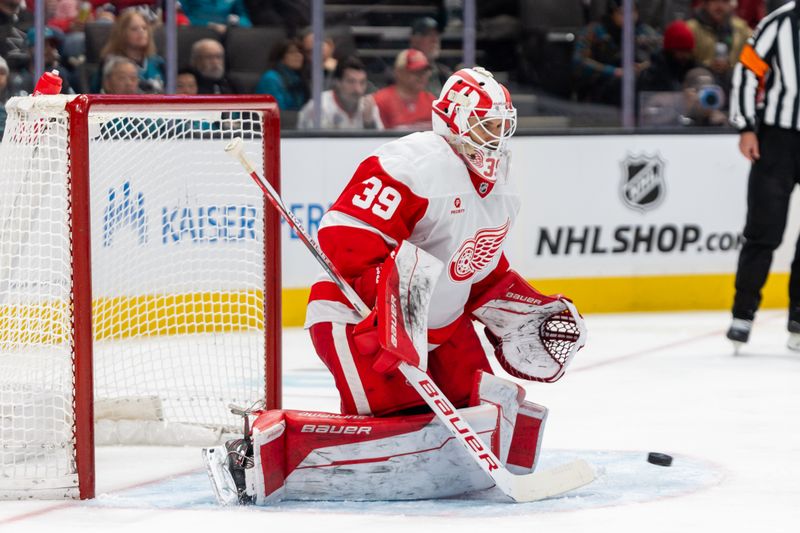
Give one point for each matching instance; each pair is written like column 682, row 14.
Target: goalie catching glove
column 535, row 336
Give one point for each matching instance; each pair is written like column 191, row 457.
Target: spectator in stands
column 289, row 14
column 72, row 15
column 64, row 15
column 328, row 61
column 719, row 36
column 284, row 80
column 704, row 100
column 217, row 14
column 597, row 58
column 406, row 104
column 53, row 39
column 3, row 94
column 70, row 18
column 207, row 61
column 132, row 37
column 106, row 12
column 668, row 67
column 186, row 83
column 346, row 106
column 120, row 76
column 751, row 11
column 14, row 22
column 659, row 13
column 500, row 29
column 426, row 38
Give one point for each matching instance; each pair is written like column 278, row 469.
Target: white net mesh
column 177, row 280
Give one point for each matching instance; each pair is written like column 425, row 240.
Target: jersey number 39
column 382, row 201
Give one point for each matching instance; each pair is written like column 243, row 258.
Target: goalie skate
column 226, row 465
column 216, row 461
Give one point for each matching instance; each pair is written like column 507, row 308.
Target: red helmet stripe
column 506, row 95
column 484, row 98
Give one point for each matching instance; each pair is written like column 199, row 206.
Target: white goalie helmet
column 475, row 114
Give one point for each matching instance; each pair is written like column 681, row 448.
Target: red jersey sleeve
column 380, row 212
column 381, row 202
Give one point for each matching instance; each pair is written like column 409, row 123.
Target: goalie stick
column 520, row 488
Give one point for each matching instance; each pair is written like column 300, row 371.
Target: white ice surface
column 650, row 382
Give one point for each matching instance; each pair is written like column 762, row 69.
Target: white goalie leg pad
column 322, row 456
column 521, row 423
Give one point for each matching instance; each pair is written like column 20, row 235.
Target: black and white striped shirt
column 769, row 65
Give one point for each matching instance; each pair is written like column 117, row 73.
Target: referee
column 764, row 106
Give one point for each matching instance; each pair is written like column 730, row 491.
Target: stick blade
column 548, row 483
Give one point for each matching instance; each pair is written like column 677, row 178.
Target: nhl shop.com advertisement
column 631, row 205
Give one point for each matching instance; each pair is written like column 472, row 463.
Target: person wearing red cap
column 406, row 104
column 597, row 55
column 426, row 37
column 668, row 66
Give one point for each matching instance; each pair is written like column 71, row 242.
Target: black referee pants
column 772, row 179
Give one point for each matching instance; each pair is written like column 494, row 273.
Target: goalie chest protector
column 417, row 188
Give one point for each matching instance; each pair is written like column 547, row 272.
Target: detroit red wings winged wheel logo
column 477, row 252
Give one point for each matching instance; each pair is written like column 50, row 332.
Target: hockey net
column 176, row 314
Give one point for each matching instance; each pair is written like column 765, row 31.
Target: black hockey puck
column 660, row 459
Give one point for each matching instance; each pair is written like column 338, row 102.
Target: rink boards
column 618, row 223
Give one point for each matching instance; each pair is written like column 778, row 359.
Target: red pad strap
column 523, row 443
column 526, row 440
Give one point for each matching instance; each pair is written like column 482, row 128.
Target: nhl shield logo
column 643, row 186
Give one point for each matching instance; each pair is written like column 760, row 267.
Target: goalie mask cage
column 139, row 278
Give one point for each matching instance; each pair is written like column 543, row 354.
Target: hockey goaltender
column 414, row 254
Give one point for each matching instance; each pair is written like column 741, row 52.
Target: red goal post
column 138, row 264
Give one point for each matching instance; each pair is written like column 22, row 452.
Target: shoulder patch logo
column 477, row 252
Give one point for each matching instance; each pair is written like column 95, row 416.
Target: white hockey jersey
column 416, row 188
column 334, row 117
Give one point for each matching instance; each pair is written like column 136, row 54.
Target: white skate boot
column 794, row 336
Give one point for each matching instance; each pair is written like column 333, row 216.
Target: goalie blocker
column 300, row 455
